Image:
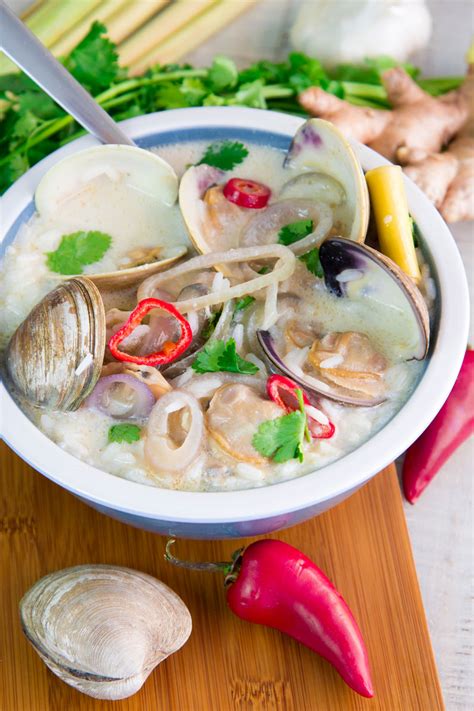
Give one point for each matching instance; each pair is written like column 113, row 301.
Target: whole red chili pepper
column 452, row 425
column 283, row 392
column 170, row 351
column 272, row 583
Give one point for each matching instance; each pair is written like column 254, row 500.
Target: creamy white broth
column 129, row 218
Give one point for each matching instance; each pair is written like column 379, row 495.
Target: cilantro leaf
column 223, row 73
column 222, row 356
column 243, row 303
column 76, row 250
column 224, row 155
column 281, row 438
column 124, row 433
column 313, row 263
column 295, row 231
column 415, row 232
column 94, row 62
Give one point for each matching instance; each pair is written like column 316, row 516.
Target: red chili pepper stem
column 230, row 568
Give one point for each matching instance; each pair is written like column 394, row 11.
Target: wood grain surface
column 227, row 664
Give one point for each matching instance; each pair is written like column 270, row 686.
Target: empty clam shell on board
column 55, row 356
column 103, row 629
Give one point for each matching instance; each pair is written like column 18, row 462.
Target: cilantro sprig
column 243, row 303
column 295, row 231
column 222, row 356
column 77, row 250
column 124, row 433
column 224, row 154
column 282, row 439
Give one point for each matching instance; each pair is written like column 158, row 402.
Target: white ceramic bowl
column 253, row 511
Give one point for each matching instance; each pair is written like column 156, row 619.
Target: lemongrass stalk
column 30, row 9
column 55, row 18
column 102, row 13
column 160, row 27
column 50, row 21
column 132, row 16
column 193, row 34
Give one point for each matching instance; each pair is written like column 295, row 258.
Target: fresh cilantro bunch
column 32, row 125
column 219, row 356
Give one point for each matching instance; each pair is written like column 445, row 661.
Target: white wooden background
column 441, row 522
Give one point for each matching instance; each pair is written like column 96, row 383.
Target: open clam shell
column 368, row 284
column 111, row 172
column 55, row 356
column 366, row 277
column 141, row 170
column 103, row 629
column 323, row 164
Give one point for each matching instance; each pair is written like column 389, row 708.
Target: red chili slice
column 282, row 391
column 170, row 351
column 247, row 193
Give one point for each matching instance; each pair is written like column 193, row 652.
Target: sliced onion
column 121, row 396
column 265, row 226
column 160, row 452
column 283, row 269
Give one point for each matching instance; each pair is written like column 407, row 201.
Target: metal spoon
column 29, row 54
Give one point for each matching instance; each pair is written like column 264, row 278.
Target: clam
column 346, row 366
column 84, row 175
column 324, row 165
column 325, row 185
column 234, row 415
column 103, row 629
column 55, row 356
column 141, row 170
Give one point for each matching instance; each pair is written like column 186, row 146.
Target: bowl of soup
column 202, row 337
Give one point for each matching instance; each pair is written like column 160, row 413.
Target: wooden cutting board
column 227, row 664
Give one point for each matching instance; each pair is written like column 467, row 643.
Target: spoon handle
column 29, row 54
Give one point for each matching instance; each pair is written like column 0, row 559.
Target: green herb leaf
column 223, row 73
column 295, row 231
column 243, row 303
column 222, row 356
column 281, row 438
column 94, row 62
column 313, row 263
column 415, row 232
column 76, row 250
column 224, row 155
column 124, row 433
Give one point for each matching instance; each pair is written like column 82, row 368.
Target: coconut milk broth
column 25, row 279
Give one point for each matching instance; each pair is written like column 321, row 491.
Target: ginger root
column 448, row 178
column 413, row 134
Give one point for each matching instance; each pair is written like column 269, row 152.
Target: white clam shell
column 103, row 629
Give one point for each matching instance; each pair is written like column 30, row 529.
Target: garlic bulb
column 339, row 32
column 103, row 629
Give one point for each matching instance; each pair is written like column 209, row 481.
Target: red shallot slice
column 161, row 452
column 121, row 396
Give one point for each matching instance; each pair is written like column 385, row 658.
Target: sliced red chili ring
column 170, row 351
column 247, row 193
column 282, row 391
